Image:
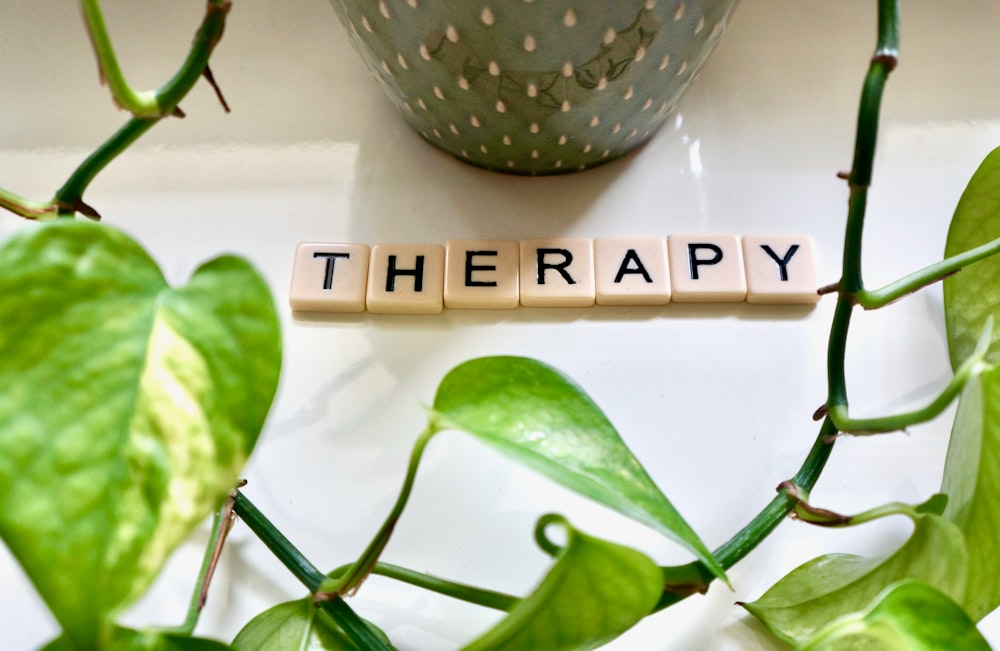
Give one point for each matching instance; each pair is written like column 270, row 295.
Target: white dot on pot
column 610, row 35
column 700, row 26
column 665, row 62
column 483, row 149
column 594, row 121
column 385, row 66
column 453, row 128
column 640, row 53
column 425, row 54
column 567, row 69
column 602, row 83
column 383, row 9
column 679, row 12
column 650, row 4
column 587, row 148
column 463, row 83
column 649, row 102
column 365, row 23
column 438, row 134
column 569, row 18
column 617, row 128
column 438, row 92
column 562, row 139
column 565, row 106
column 629, row 92
column 402, row 61
column 529, row 43
column 684, row 66
column 494, row 68
column 534, row 153
column 474, row 121
column 420, row 102
column 451, row 33
column 534, row 128
column 487, row 17
column 412, row 3
column 532, row 90
column 506, row 140
column 500, row 106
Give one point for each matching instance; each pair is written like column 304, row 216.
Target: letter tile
column 780, row 269
column 557, row 272
column 706, row 269
column 329, row 277
column 406, row 279
column 631, row 270
column 481, row 274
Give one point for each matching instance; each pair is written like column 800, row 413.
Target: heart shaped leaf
column 833, row 586
column 127, row 409
column 297, row 625
column 541, row 419
column 970, row 480
column 973, row 295
column 907, row 616
column 595, row 592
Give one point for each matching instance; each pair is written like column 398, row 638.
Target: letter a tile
column 706, row 269
column 329, row 277
column 631, row 270
column 557, row 272
column 481, row 274
column 780, row 269
column 406, row 279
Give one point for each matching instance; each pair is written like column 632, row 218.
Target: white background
column 716, row 401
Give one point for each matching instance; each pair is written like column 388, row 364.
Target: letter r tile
column 706, row 269
column 329, row 277
column 557, row 272
column 406, row 279
column 780, row 269
column 481, row 274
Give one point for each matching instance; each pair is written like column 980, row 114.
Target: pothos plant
column 129, row 407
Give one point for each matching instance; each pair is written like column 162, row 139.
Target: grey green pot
column 535, row 86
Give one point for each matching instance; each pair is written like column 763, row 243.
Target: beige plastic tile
column 406, row 279
column 329, row 277
column 780, row 269
column 706, row 269
column 481, row 274
column 631, row 271
column 557, row 272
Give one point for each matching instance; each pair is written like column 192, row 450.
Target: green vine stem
column 300, row 567
column 859, row 179
column 359, row 571
column 68, row 199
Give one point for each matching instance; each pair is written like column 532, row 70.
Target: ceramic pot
column 535, row 86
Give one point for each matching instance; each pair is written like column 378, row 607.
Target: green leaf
column 835, row 585
column 972, row 295
column 297, row 625
column 124, row 639
column 128, row 409
column 595, row 592
column 907, row 616
column 541, row 419
column 970, row 480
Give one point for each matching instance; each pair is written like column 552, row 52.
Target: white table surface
column 716, row 401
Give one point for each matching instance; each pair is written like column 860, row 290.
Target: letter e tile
column 481, row 274
column 329, row 277
column 706, row 269
column 406, row 279
column 631, row 271
column 557, row 272
column 780, row 269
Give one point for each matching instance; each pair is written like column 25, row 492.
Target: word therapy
column 553, row 272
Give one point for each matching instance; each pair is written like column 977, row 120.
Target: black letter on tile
column 470, row 267
column 331, row 259
column 560, row 267
column 632, row 258
column 417, row 273
column 696, row 262
column 782, row 262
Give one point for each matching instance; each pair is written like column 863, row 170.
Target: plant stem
column 461, row 591
column 859, row 178
column 359, row 571
column 353, row 626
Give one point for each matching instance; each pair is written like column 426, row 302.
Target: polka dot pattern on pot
column 535, row 86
